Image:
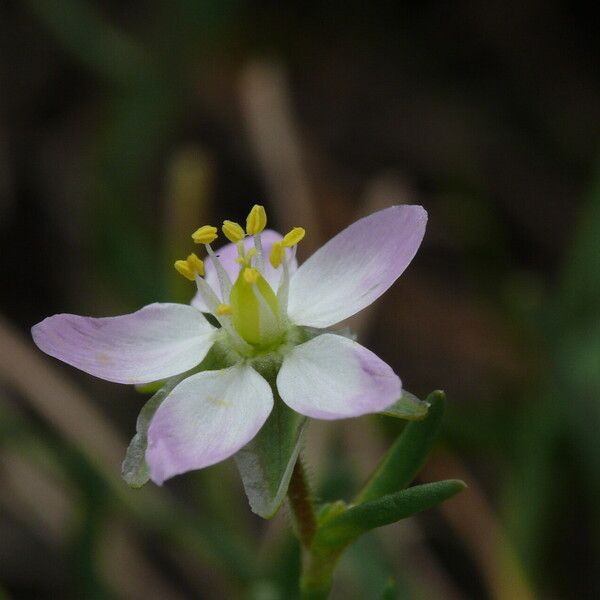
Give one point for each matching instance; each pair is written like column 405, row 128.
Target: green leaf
column 135, row 470
column 343, row 529
column 408, row 453
column 409, row 407
column 266, row 463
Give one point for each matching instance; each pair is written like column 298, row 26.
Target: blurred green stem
column 317, row 571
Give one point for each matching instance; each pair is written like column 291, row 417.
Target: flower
column 273, row 318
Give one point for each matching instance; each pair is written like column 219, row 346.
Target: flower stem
column 317, row 568
column 301, row 504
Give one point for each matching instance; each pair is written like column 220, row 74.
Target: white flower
column 267, row 308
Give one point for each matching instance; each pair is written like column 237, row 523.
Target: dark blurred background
column 125, row 125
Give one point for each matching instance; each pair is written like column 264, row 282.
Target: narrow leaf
column 408, row 453
column 266, row 463
column 409, row 407
column 345, row 528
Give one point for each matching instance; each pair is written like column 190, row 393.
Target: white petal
column 333, row 377
column 157, row 341
column 227, row 255
column 355, row 267
column 205, row 419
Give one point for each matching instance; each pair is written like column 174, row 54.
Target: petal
column 227, row 255
column 156, row 342
column 355, row 267
column 333, row 377
column 205, row 419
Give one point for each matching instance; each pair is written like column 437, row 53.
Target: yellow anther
column 295, row 236
column 277, row 254
column 232, row 231
column 251, row 275
column 190, row 267
column 207, row 234
column 256, row 220
column 196, row 264
column 224, row 309
column 183, row 268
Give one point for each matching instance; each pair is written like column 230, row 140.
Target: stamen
column 284, row 283
column 290, row 240
column 255, row 225
column 277, row 254
column 206, row 234
column 295, row 236
column 260, row 260
column 224, row 281
column 182, row 267
column 256, row 220
column 208, row 295
column 284, row 289
column 196, row 264
column 224, row 309
column 233, row 231
column 190, row 267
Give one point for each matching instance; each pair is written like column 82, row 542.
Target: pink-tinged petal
column 156, row 342
column 333, row 377
column 227, row 255
column 355, row 267
column 207, row 418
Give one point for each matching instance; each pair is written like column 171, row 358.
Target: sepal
column 134, row 469
column 266, row 463
column 409, row 407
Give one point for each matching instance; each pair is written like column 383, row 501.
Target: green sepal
column 134, row 469
column 408, row 453
column 409, row 407
column 343, row 529
column 266, row 463
column 150, row 388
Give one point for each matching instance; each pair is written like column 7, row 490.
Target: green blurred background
column 125, row 125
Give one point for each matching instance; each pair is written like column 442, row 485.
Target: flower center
column 252, row 313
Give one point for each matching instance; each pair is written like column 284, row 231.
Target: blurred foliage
column 122, row 127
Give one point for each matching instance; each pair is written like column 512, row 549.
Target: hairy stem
column 301, row 504
column 317, row 568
